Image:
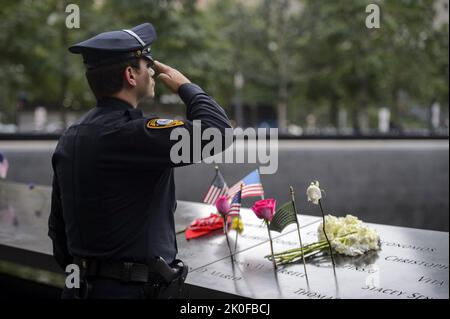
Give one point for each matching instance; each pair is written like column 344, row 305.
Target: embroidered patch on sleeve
column 163, row 123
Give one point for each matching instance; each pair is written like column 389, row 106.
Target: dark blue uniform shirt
column 113, row 187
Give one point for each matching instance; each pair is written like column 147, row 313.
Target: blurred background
column 307, row 67
column 363, row 110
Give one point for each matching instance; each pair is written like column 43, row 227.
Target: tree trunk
column 334, row 112
column 64, row 74
column 282, row 107
column 355, row 121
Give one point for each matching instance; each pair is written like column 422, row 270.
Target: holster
column 168, row 284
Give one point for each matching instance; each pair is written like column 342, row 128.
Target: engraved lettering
column 431, row 281
column 312, row 294
column 416, row 262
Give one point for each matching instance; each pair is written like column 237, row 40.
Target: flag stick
column 225, row 221
column 262, row 195
column 236, row 240
column 298, row 229
column 237, row 233
column 181, row 231
column 325, row 233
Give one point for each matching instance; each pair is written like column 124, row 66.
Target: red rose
column 265, row 209
column 222, row 205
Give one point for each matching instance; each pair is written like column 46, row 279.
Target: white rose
column 313, row 193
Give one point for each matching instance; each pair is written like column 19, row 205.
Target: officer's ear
column 130, row 76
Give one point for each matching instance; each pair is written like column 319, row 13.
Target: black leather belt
column 157, row 271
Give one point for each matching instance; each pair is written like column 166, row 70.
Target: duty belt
column 157, row 271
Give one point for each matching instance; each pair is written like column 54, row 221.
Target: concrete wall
column 403, row 183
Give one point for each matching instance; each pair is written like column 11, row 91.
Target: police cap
column 116, row 46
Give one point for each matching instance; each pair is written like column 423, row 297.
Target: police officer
column 113, row 199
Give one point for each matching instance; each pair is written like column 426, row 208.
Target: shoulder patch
column 163, row 123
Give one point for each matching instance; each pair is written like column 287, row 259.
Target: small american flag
column 235, row 206
column 3, row 166
column 251, row 186
column 218, row 188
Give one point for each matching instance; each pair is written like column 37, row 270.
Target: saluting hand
column 171, row 77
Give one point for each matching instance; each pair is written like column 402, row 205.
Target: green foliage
column 313, row 56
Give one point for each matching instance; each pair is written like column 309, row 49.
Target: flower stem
column 301, row 254
column 291, row 255
column 271, row 246
column 325, row 233
column 300, row 249
column 226, row 236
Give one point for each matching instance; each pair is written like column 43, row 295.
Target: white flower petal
column 314, row 193
column 349, row 235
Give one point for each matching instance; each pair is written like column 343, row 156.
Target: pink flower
column 222, row 205
column 265, row 209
